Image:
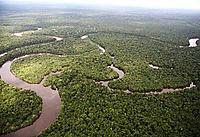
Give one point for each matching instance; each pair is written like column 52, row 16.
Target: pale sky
column 177, row 4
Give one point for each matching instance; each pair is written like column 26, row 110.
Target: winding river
column 101, row 48
column 118, row 71
column 51, row 105
column 121, row 74
column 19, row 34
column 51, row 100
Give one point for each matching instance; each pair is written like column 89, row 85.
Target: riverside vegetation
column 18, row 108
column 135, row 40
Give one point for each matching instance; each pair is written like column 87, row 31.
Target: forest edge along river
column 51, row 103
column 51, row 100
column 121, row 74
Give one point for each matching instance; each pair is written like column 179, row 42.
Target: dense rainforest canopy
column 132, row 41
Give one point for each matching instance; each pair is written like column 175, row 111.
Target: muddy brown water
column 50, row 108
column 121, row 76
column 118, row 71
column 51, row 100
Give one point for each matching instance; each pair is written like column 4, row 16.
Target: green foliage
column 12, row 42
column 90, row 110
column 34, row 68
column 18, row 108
column 133, row 54
column 135, row 39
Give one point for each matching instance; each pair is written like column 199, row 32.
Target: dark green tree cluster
column 18, row 108
column 91, row 110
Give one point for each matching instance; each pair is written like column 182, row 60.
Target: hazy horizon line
column 93, row 6
column 112, row 4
